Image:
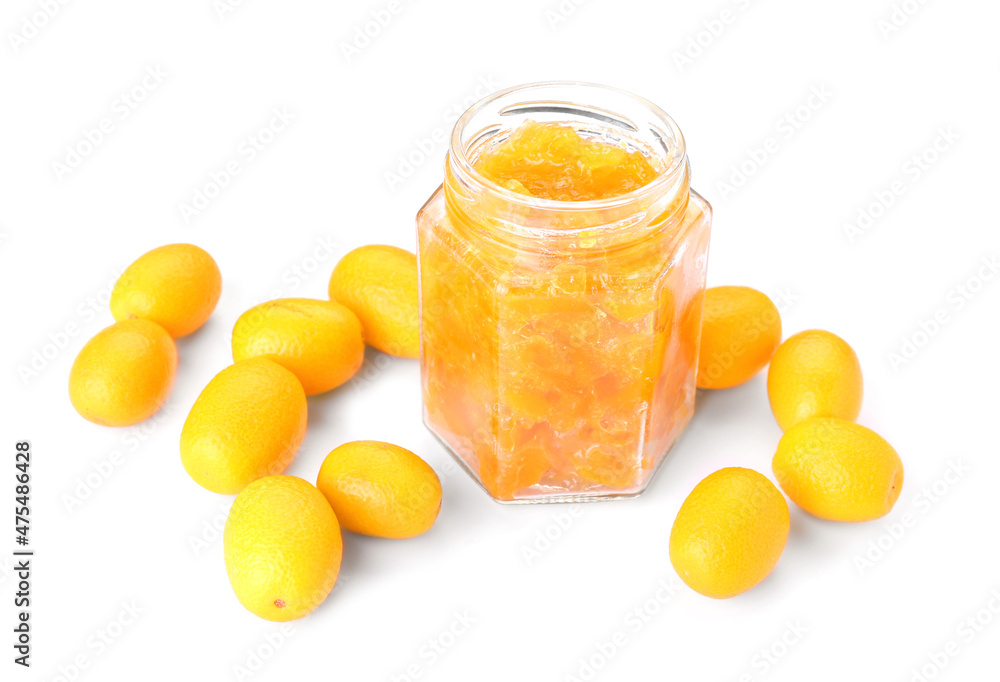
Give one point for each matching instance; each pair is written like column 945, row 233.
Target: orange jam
column 553, row 161
column 559, row 340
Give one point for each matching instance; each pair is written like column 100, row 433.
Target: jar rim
column 677, row 162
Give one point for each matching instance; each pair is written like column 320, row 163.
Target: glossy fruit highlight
column 124, row 374
column 176, row 286
column 247, row 423
column 283, row 548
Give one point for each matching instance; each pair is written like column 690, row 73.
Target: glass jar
column 559, row 339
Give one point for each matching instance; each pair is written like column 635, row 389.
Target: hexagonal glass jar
column 559, row 339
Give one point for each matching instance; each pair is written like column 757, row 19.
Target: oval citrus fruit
column 379, row 283
column 740, row 330
column 838, row 470
column 247, row 423
column 318, row 341
column 729, row 533
column 814, row 374
column 124, row 374
column 283, row 548
column 176, row 286
column 380, row 489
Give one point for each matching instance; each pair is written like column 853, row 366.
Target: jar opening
column 595, row 111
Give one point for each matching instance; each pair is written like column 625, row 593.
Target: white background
column 145, row 534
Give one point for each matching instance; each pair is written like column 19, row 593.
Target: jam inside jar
column 562, row 270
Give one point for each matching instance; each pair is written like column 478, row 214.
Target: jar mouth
column 606, row 105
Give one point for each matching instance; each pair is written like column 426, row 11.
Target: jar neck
column 517, row 221
column 487, row 211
